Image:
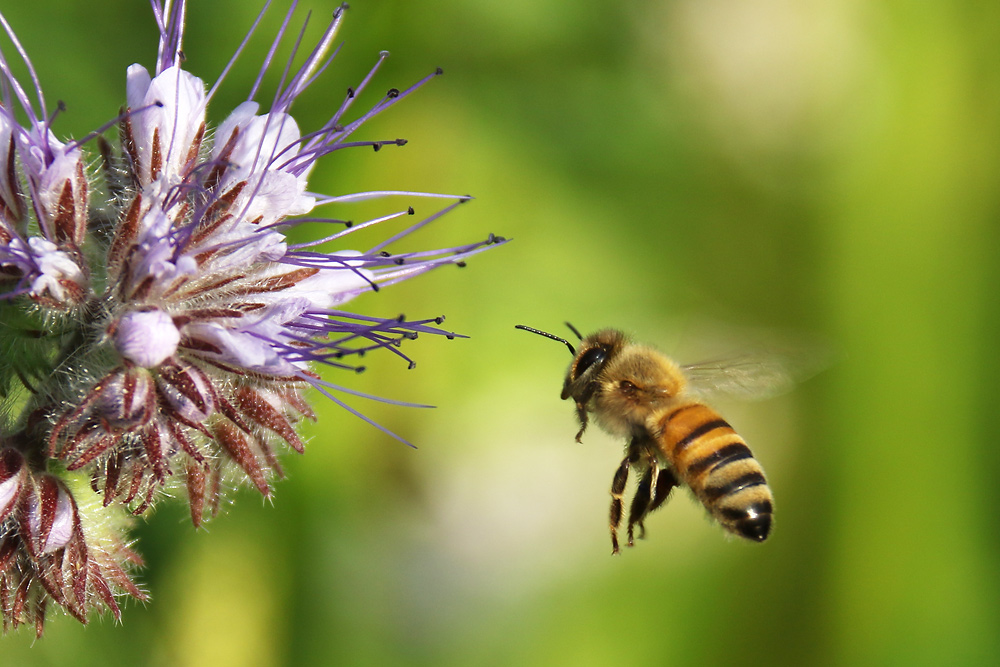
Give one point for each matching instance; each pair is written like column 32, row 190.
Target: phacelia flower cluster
column 160, row 330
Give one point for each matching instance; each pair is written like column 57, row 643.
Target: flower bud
column 51, row 516
column 146, row 338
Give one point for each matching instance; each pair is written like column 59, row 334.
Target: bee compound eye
column 627, row 387
column 595, row 355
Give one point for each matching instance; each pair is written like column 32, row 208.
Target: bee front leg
column 617, row 489
column 581, row 413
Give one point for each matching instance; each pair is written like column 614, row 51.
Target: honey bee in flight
column 636, row 392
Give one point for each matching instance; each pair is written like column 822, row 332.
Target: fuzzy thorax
column 634, row 385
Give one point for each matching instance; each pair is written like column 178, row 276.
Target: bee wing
column 755, row 375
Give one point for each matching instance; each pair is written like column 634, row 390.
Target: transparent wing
column 756, row 375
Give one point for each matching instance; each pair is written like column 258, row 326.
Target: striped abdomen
column 715, row 462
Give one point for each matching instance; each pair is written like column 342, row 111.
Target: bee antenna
column 574, row 330
column 548, row 335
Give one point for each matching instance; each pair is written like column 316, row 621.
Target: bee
column 673, row 437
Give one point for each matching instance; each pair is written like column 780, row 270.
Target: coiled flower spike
column 165, row 335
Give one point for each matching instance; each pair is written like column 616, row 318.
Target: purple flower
column 169, row 334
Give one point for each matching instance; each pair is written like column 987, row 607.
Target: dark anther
column 359, row 369
column 401, row 142
column 61, row 106
column 385, row 253
column 392, row 93
column 377, row 146
column 439, row 319
column 338, row 127
column 461, row 265
column 182, row 56
column 350, row 93
column 413, row 365
column 409, row 210
column 401, row 318
column 450, row 336
column 349, row 223
column 399, row 261
column 439, row 71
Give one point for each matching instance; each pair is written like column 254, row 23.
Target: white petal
column 53, row 266
column 171, row 106
column 136, row 84
column 62, row 524
column 241, row 348
column 9, row 490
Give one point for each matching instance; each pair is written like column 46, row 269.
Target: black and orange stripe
column 715, row 462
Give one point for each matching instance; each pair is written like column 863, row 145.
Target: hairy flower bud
column 46, row 554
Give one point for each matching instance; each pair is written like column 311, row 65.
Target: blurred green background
column 698, row 172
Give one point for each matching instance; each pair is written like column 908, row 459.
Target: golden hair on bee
column 672, row 437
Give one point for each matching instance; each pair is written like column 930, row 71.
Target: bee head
column 588, row 362
column 594, row 353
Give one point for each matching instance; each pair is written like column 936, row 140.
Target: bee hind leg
column 664, row 485
column 653, row 491
column 617, row 490
column 641, row 504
